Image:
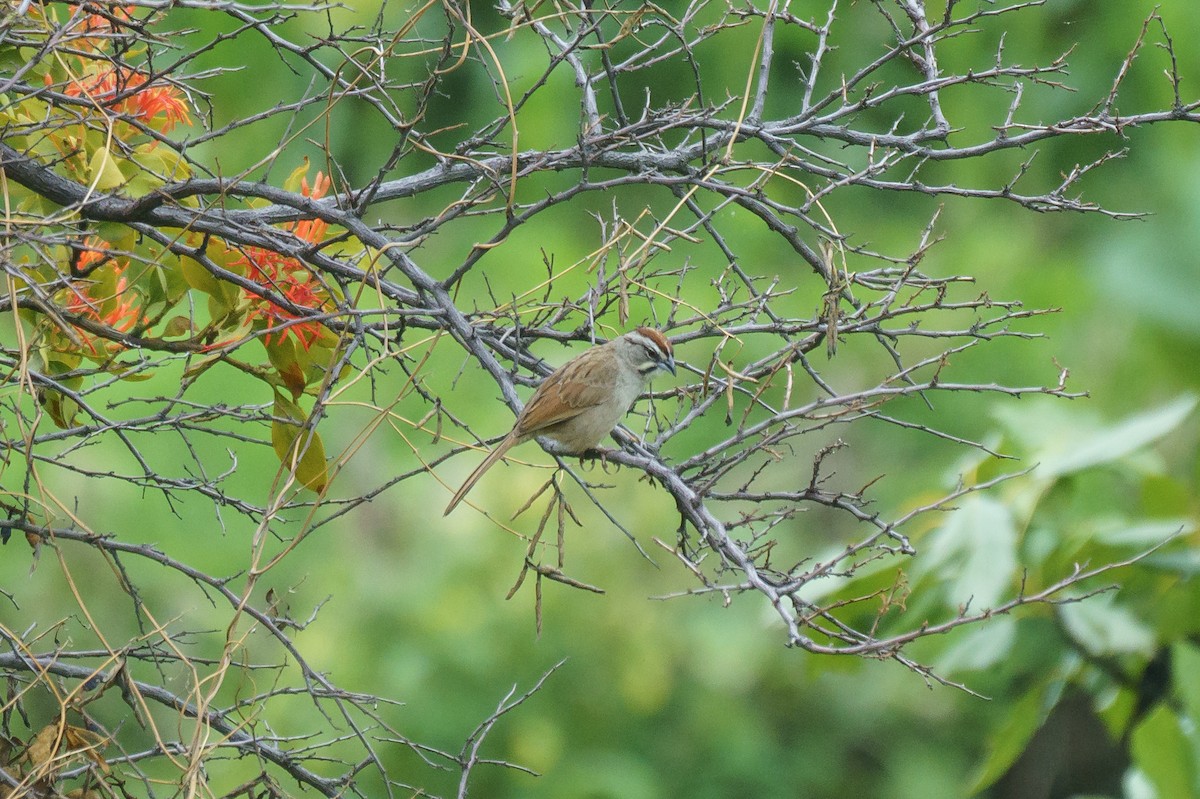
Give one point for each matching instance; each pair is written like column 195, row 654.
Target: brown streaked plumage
column 584, row 399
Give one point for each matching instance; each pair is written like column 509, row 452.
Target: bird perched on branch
column 584, row 399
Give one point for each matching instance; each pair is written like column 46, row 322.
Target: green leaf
column 119, row 235
column 289, row 360
column 298, row 448
column 1139, row 536
column 62, row 409
column 1161, row 750
column 166, row 281
column 1009, row 740
column 1122, row 439
column 103, row 170
column 198, row 277
column 177, row 326
column 226, row 316
column 1165, row 495
column 1185, row 673
column 980, row 648
column 974, row 552
column 163, row 162
column 1103, row 627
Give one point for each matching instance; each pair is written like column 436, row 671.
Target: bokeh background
column 685, row 697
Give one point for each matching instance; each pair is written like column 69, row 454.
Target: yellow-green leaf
column 124, row 371
column 200, row 366
column 163, row 162
column 177, row 326
column 298, row 448
column 118, row 235
column 1162, row 751
column 289, row 360
column 198, row 277
column 103, row 171
column 292, row 183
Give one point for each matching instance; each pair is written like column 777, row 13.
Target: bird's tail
column 488, row 462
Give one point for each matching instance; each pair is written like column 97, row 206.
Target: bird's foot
column 598, row 453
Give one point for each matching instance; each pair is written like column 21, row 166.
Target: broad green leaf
column 163, row 162
column 119, row 236
column 298, row 449
column 142, row 183
column 1185, row 674
column 974, row 552
column 1064, row 439
column 287, row 409
column 326, row 340
column 1103, row 627
column 1161, row 750
column 103, row 170
column 293, row 181
column 1165, row 495
column 177, row 326
column 979, row 648
column 1009, row 740
column 1117, row 441
column 1139, row 535
column 104, row 287
column 223, row 313
column 198, row 277
column 289, row 360
column 166, row 283
column 62, row 409
column 60, row 363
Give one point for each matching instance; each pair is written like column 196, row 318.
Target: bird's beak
column 668, row 365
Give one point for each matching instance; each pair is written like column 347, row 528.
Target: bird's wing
column 558, row 400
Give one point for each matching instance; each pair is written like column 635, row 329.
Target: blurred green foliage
column 686, row 698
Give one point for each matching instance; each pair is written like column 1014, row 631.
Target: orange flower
column 320, row 185
column 146, row 102
column 288, row 277
column 93, row 251
column 312, row 230
column 159, row 100
column 97, row 27
column 296, row 285
column 284, row 276
column 117, row 309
